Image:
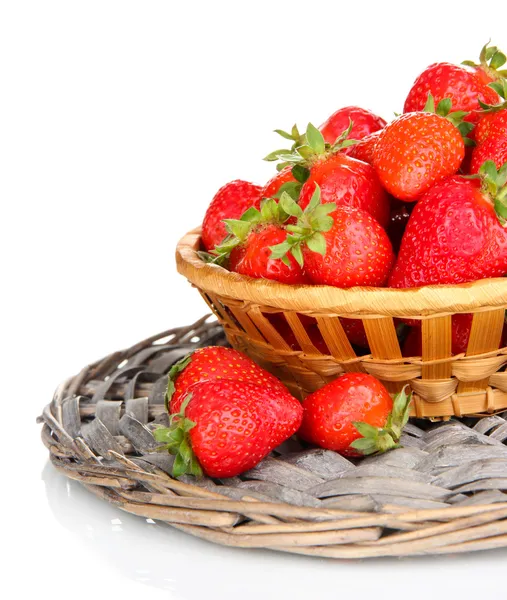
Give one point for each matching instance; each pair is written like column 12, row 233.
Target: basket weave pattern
column 442, row 492
column 472, row 383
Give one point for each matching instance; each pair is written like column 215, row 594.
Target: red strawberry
column 461, row 327
column 343, row 180
column 253, row 257
column 492, row 124
column 227, row 427
column 211, row 364
column 454, row 235
column 365, row 148
column 415, row 151
column 230, row 202
column 364, row 122
column 358, row 252
column 345, row 248
column 354, row 405
column 347, row 182
column 273, row 186
column 493, row 148
column 465, row 86
column 355, row 332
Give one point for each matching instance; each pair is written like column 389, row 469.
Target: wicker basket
column 444, row 385
column 444, row 491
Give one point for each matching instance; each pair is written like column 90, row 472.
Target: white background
column 118, row 122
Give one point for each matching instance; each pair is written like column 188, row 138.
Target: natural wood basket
column 443, row 492
column 444, row 385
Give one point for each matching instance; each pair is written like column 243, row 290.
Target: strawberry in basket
column 418, row 149
column 456, row 232
column 466, row 86
column 342, row 180
column 364, row 123
column 490, row 134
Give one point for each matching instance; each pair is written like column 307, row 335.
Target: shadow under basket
column 306, row 337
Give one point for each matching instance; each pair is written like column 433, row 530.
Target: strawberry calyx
column 500, row 87
column 271, row 211
column 307, row 150
column 311, row 224
column 456, row 117
column 175, row 370
column 176, row 440
column 494, row 185
column 376, row 440
column 490, row 61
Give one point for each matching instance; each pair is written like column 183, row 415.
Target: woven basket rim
column 423, row 301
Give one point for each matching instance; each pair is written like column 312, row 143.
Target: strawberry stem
column 376, row 440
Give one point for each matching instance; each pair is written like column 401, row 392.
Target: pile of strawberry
column 227, row 414
column 419, row 201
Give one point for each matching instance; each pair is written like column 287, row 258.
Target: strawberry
column 272, row 187
column 253, row 257
column 493, row 124
column 493, row 148
column 466, row 86
column 364, row 149
column 454, row 234
column 345, row 248
column 354, row 330
column 364, row 123
column 347, row 181
column 226, row 427
column 246, row 250
column 490, row 134
column 417, row 150
column 354, row 415
column 211, row 364
column 343, row 180
column 230, row 202
column 460, row 334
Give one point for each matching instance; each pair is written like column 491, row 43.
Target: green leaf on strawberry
column 376, row 440
column 175, row 439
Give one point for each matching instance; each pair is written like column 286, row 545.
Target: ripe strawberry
column 354, row 330
column 343, row 180
column 211, row 364
column 493, row 148
column 490, row 134
column 358, row 252
column 492, row 124
column 466, row 86
column 354, row 405
column 345, row 248
column 417, row 150
column 365, row 148
column 347, row 182
column 253, row 257
column 454, row 234
column 460, row 334
column 227, row 427
column 230, row 202
column 272, row 187
column 364, row 122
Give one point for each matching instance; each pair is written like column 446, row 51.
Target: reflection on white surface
column 157, row 555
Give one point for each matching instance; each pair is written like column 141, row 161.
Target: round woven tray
column 443, row 491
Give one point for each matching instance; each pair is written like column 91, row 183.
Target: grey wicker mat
column 443, row 491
